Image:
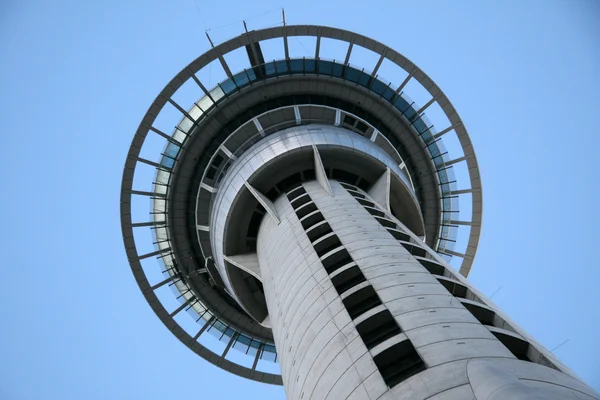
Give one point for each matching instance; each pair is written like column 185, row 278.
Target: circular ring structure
column 234, row 326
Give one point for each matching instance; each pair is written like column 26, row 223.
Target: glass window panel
column 378, row 87
column 364, row 79
column 427, row 136
column 410, row 113
column 310, row 65
column 269, row 348
column 324, row 67
column 241, row 79
column 439, row 162
column 229, row 332
column 167, row 162
column 268, row 356
column 446, row 188
column 251, row 74
column 172, row 150
column 178, row 135
column 419, row 125
column 401, row 104
column 228, row 86
column 185, row 124
column 338, row 70
column 352, row 74
column 244, row 339
column 270, row 69
column 217, row 94
column 205, row 103
column 281, row 67
column 443, row 176
column 218, row 326
column 389, row 94
column 297, row 66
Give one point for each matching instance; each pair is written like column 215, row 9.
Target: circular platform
column 183, row 173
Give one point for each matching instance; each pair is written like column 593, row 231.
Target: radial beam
column 448, row 129
column 455, row 161
column 378, row 64
column 430, row 102
column 467, row 223
column 462, row 191
column 220, row 57
column 285, row 38
column 264, row 201
column 405, row 81
column 320, row 172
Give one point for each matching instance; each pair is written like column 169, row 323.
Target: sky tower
column 304, row 212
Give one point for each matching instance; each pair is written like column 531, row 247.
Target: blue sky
column 77, row 77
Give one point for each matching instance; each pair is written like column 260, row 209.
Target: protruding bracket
column 374, row 135
column 204, row 228
column 264, row 201
column 380, row 192
column 320, row 172
column 266, row 322
column 246, row 262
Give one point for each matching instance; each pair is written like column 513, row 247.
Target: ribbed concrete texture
column 331, row 331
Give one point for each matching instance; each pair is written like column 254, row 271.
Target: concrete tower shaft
column 359, row 304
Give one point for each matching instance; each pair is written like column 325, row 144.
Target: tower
column 305, row 211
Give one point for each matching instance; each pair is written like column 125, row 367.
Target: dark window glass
column 270, row 69
column 361, row 126
column 410, row 113
column 228, row 86
column 378, row 87
column 210, row 172
column 167, row 162
column 349, row 120
column 241, row 79
column 401, row 104
column 297, row 66
column 252, row 74
column 364, row 79
column 309, row 65
column 324, row 67
column 338, row 70
column 389, row 94
column 172, row 150
column 420, row 125
column 281, row 67
column 217, row 160
column 352, row 74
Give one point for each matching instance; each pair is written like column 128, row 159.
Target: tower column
column 357, row 307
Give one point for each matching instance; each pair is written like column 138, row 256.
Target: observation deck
column 185, row 254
